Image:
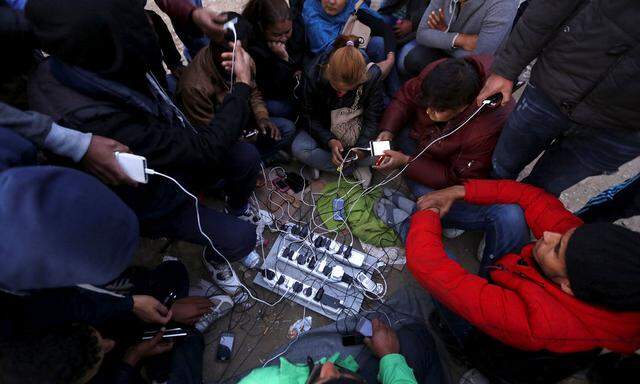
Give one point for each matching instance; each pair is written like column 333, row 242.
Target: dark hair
column 452, row 84
column 264, row 13
column 61, row 355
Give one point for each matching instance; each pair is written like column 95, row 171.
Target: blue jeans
column 402, row 55
column 281, row 108
column 504, row 225
column 268, row 146
column 307, row 151
column 572, row 152
column 617, row 202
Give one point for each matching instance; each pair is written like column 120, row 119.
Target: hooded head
column 112, row 38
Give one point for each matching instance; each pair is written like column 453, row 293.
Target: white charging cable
column 195, row 199
column 231, row 25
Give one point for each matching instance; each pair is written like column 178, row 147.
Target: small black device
column 295, row 181
column 225, row 348
column 250, row 134
column 281, row 184
column 352, row 339
column 171, row 333
column 168, row 301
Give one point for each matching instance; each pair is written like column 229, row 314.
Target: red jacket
column 463, row 155
column 518, row 306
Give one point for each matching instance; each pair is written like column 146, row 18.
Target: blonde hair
column 346, row 63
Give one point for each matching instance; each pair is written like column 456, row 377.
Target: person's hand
column 189, row 310
column 267, row 127
column 402, row 28
column 280, row 49
column 385, row 136
column 147, row 348
column 210, row 23
column 387, row 64
column 441, row 201
column 495, row 84
column 436, row 20
column 177, row 71
column 100, row 160
column 384, row 340
column 465, row 41
column 336, row 152
column 393, row 160
column 243, row 66
column 150, row 310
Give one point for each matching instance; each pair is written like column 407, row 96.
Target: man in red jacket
column 431, row 105
column 575, row 289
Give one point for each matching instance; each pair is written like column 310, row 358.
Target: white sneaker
column 473, row 376
column 222, row 304
column 223, row 276
column 252, row 260
column 258, row 217
column 452, row 233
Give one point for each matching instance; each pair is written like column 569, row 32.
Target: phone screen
column 350, row 340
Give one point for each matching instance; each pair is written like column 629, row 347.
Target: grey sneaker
column 223, row 276
column 473, row 376
column 222, row 304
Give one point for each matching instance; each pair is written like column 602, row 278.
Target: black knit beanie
column 603, row 266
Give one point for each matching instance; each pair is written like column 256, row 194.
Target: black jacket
column 275, row 77
column 148, row 125
column 415, row 10
column 320, row 99
column 588, row 58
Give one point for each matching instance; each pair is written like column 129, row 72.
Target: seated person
column 432, row 105
column 277, row 47
column 404, row 17
column 342, row 106
column 406, row 356
column 104, row 342
column 96, row 80
column 205, row 84
column 574, row 289
column 324, row 21
column 452, row 28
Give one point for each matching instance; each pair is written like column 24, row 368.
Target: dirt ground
column 260, row 330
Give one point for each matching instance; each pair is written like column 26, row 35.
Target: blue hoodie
column 323, row 29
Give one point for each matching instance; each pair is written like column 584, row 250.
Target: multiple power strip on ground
column 319, row 273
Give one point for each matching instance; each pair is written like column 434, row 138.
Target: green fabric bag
column 361, row 218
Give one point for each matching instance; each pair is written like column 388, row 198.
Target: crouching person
column 573, row 291
column 111, row 92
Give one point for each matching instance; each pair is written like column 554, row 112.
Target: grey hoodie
column 490, row 19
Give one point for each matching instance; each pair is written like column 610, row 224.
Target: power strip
column 341, row 252
column 310, row 296
column 304, row 259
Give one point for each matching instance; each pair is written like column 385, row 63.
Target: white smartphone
column 134, row 166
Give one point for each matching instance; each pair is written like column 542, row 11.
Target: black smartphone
column 168, row 301
column 351, row 340
column 169, row 334
column 295, row 181
column 225, row 348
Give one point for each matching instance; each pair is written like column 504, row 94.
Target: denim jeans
column 281, row 108
column 617, row 202
column 307, row 151
column 268, row 146
column 572, row 152
column 504, row 225
column 419, row 57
